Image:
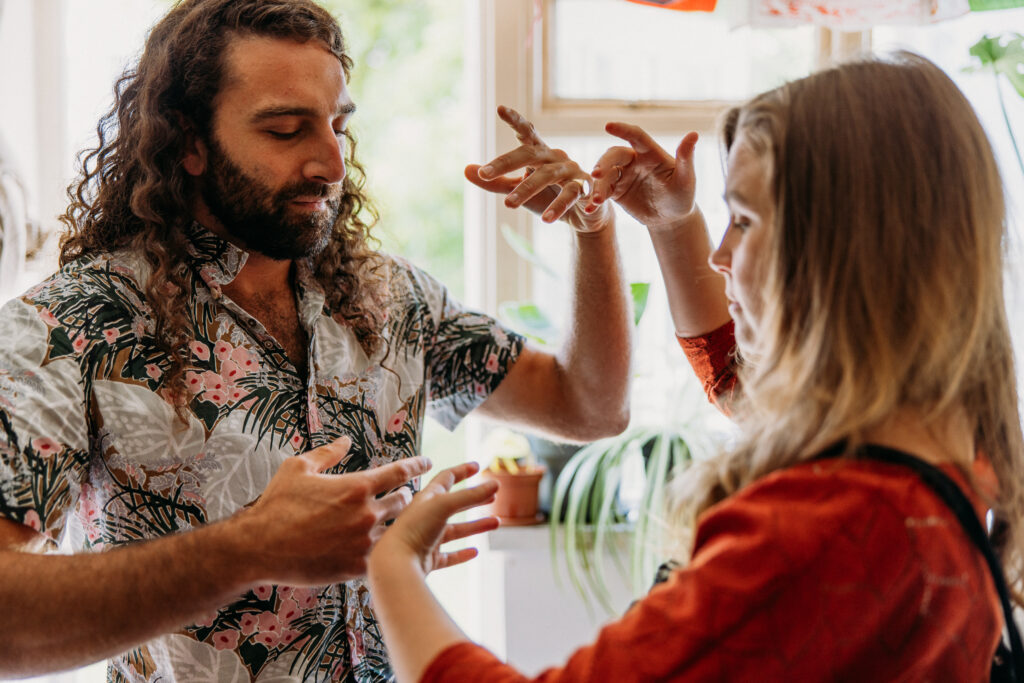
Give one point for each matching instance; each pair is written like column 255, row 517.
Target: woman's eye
column 740, row 224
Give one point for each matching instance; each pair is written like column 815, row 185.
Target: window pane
column 609, row 49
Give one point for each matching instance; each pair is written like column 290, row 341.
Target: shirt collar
column 218, row 262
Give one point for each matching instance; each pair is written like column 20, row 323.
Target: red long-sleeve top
column 833, row 570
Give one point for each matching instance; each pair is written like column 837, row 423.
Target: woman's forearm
column 416, row 627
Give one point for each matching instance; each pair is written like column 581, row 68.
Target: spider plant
column 1003, row 55
column 591, row 484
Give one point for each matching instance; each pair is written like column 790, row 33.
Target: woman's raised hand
column 552, row 184
column 424, row 526
column 654, row 187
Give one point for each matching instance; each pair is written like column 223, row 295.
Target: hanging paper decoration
column 682, row 5
column 853, row 15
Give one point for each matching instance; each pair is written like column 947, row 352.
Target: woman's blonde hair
column 884, row 285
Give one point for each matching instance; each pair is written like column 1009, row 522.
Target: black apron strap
column 1009, row 662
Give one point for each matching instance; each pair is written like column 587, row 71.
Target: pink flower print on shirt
column 288, row 611
column 296, row 441
column 305, row 597
column 396, row 422
column 48, row 317
column 225, row 640
column 263, row 592
column 248, row 624
column 480, row 389
column 288, row 636
column 236, row 394
column 200, row 350
column 216, row 396
column 245, row 360
column 46, row 446
column 269, row 623
column 79, row 343
column 194, row 381
column 32, row 520
column 356, row 647
column 111, row 335
column 211, row 380
column 268, row 640
column 222, row 350
column 230, row 371
column 208, row 620
column 492, row 363
column 154, row 371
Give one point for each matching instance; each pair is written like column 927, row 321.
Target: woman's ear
column 194, row 154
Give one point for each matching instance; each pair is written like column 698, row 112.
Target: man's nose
column 327, row 162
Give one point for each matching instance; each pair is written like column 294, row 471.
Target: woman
column 863, row 271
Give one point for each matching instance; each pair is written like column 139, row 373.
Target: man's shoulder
column 110, row 279
column 409, row 284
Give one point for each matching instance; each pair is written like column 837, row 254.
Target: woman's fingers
column 636, row 136
column 445, row 560
column 454, row 532
column 608, row 173
column 446, row 478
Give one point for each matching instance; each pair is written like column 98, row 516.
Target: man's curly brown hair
column 133, row 193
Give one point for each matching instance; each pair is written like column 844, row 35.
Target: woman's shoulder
column 816, row 507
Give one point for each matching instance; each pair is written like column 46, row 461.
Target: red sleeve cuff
column 467, row 662
column 712, row 357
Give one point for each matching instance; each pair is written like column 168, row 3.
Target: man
column 223, row 389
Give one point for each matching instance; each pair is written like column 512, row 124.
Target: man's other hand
column 314, row 528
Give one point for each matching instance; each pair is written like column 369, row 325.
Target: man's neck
column 260, row 275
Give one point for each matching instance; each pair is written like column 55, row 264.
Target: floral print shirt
column 93, row 456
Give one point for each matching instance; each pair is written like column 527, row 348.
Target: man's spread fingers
column 326, row 457
column 392, row 504
column 394, row 474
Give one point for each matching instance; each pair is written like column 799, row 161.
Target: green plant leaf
column 526, row 251
column 639, row 292
column 530, row 320
column 1004, row 55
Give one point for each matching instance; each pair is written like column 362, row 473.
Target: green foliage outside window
column 410, row 124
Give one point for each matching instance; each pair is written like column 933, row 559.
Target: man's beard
column 259, row 217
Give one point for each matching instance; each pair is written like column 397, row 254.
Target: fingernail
column 485, row 170
column 512, row 198
column 548, row 215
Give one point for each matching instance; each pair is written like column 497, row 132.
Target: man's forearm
column 597, row 352
column 696, row 293
column 64, row 611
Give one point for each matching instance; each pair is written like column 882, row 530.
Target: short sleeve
column 468, row 357
column 44, row 440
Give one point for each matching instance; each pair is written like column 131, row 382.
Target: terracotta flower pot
column 516, row 501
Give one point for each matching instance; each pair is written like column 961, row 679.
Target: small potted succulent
column 518, row 477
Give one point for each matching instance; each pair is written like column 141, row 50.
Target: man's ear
column 195, row 152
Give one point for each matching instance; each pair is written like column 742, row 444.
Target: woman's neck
column 945, row 439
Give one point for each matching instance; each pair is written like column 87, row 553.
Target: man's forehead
column 275, row 75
